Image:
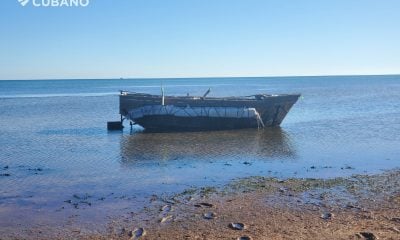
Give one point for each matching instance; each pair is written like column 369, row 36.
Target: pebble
column 189, row 198
column 204, row 204
column 209, row 215
column 153, row 198
column 368, row 235
column 282, row 190
column 327, row 216
column 350, row 206
column 165, row 219
column 166, row 208
column 245, row 238
column 137, row 233
column 237, row 226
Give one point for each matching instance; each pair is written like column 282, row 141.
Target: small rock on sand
column 165, row 219
column 245, row 238
column 204, row 204
column 367, row 236
column 137, row 233
column 166, row 208
column 327, row 216
column 209, row 215
column 237, row 226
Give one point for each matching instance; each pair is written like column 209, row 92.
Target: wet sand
column 359, row 207
column 352, row 208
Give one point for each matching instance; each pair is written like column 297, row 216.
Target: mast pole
column 162, row 94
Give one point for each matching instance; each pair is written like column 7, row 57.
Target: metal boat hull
column 272, row 109
column 175, row 124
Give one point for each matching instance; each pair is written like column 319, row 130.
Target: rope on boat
column 259, row 121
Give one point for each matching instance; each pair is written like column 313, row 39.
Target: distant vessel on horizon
column 159, row 113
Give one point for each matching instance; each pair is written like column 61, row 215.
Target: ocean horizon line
column 193, row 77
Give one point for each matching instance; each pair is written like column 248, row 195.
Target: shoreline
column 269, row 208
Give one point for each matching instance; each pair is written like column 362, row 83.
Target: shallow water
column 64, row 166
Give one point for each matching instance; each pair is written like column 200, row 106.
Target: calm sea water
column 56, row 151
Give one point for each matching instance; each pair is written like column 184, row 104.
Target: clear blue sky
column 200, row 38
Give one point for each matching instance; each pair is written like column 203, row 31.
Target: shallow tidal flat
column 356, row 207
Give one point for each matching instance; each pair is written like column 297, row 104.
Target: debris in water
column 153, row 198
column 81, row 197
column 36, row 169
column 210, row 215
column 237, row 226
column 137, row 233
column 76, row 196
column 347, row 167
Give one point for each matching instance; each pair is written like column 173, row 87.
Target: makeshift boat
column 159, row 113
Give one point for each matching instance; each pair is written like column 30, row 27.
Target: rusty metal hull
column 272, row 109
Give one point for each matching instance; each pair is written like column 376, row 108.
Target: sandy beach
column 352, row 208
column 358, row 207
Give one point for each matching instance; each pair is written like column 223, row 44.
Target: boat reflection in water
column 242, row 145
